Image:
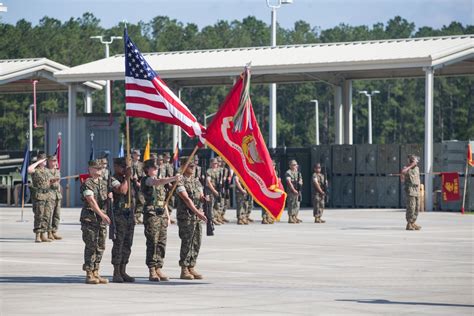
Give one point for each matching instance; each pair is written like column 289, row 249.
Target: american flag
column 147, row 96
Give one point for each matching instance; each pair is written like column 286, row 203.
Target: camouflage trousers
column 156, row 229
column 216, row 206
column 244, row 206
column 190, row 233
column 266, row 216
column 122, row 245
column 413, row 204
column 318, row 205
column 54, row 207
column 292, row 204
column 138, row 201
column 41, row 210
column 93, row 235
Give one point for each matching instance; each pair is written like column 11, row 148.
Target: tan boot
column 153, row 276
column 298, row 220
column 264, row 220
column 322, row 220
column 270, row 220
column 56, row 236
column 161, row 275
column 90, row 278
column 44, row 238
column 290, row 219
column 240, row 222
column 125, row 276
column 225, row 220
column 37, row 237
column 50, row 236
column 185, row 274
column 249, row 220
column 101, row 279
column 410, row 227
column 117, row 276
column 195, row 274
column 415, row 226
column 316, row 219
column 245, row 221
column 216, row 222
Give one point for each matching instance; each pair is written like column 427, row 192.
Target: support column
column 88, row 102
column 429, row 80
column 347, row 100
column 71, row 139
column 338, row 124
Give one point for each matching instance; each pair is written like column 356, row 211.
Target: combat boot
column 216, row 222
column 37, row 237
column 56, row 236
column 125, row 276
column 290, row 219
column 264, row 220
column 117, row 276
column 244, row 220
column 225, row 220
column 249, row 220
column 44, row 238
column 270, row 220
column 317, row 220
column 90, row 278
column 415, row 226
column 185, row 274
column 322, row 220
column 195, row 274
column 240, row 222
column 298, row 220
column 98, row 277
column 161, row 275
column 410, row 227
column 50, row 236
column 153, row 276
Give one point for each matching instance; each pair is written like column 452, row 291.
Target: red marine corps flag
column 450, row 182
column 235, row 135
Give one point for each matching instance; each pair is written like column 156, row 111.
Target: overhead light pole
column 107, row 83
column 316, row 110
column 273, row 113
column 369, row 112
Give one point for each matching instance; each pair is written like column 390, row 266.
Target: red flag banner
column 83, row 177
column 234, row 134
column 470, row 158
column 450, row 182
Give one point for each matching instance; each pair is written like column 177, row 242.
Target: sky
column 319, row 13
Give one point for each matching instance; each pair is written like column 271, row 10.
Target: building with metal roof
column 337, row 64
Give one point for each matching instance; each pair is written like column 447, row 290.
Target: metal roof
column 451, row 55
column 16, row 76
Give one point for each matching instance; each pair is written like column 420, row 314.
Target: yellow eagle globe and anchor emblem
column 249, row 147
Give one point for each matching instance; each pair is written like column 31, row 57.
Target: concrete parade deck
column 361, row 262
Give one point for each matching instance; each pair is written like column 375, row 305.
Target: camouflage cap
column 159, row 157
column 52, row 157
column 293, row 162
column 150, row 163
column 183, row 160
column 413, row 158
column 120, row 162
column 96, row 164
column 167, row 155
column 136, row 151
column 213, row 160
column 41, row 156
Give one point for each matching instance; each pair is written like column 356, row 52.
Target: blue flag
column 24, row 166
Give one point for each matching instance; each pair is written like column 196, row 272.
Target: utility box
column 454, row 156
column 388, row 160
column 106, row 139
column 388, row 189
column 343, row 159
column 366, row 191
column 343, row 191
column 366, row 159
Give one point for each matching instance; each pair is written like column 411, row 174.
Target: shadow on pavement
column 43, row 279
column 19, row 239
column 379, row 301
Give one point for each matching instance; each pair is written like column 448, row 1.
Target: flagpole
column 182, row 170
column 129, row 159
column 465, row 187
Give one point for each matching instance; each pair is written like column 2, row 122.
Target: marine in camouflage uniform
column 318, row 198
column 213, row 184
column 156, row 219
column 411, row 177
column 124, row 221
column 244, row 203
column 189, row 215
column 41, row 183
column 267, row 218
column 293, row 181
column 94, row 221
column 137, row 195
column 169, row 171
column 226, row 179
column 54, row 203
